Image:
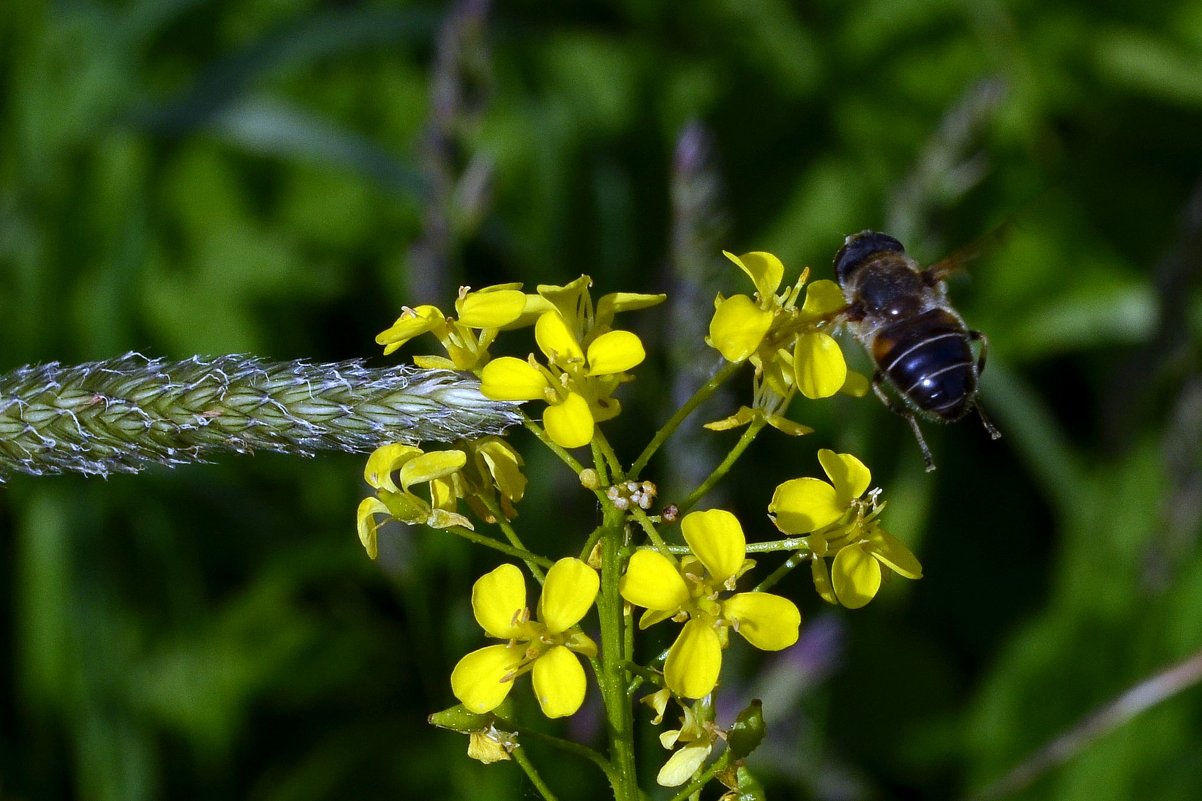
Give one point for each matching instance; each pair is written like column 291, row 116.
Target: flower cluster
column 581, row 360
column 485, row 473
column 786, row 344
column 545, row 647
column 696, row 592
column 841, row 525
column 585, row 361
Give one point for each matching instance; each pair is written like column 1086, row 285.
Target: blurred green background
column 280, row 176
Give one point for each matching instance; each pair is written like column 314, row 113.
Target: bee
column 920, row 344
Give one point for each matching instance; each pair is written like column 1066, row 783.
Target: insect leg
column 878, row 378
column 989, row 426
column 977, row 336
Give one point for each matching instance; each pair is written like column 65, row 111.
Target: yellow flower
column 438, row 469
column 479, row 472
column 803, row 505
column 843, row 526
column 483, row 678
column 481, row 315
column 787, row 344
column 586, row 361
column 695, row 737
column 695, row 592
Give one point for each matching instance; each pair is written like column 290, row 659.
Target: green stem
column 599, row 463
column 590, row 543
column 771, row 546
column 567, row 746
column 613, row 661
column 642, row 675
column 567, row 458
column 519, row 757
column 494, row 509
column 749, row 435
column 508, row 550
column 699, row 397
column 652, row 533
column 785, row 569
column 611, row 458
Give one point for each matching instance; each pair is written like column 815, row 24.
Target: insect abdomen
column 928, row 359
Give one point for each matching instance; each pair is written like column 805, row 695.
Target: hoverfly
column 920, row 344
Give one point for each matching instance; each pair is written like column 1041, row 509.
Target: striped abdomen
column 928, row 359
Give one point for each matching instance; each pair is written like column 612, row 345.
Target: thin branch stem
column 602, row 447
column 519, row 756
column 567, row 746
column 537, row 430
column 652, row 533
column 508, row 550
column 785, row 569
column 511, row 534
column 678, row 417
column 749, row 435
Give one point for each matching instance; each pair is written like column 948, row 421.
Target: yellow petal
column 559, row 682
column 855, row 576
column 385, row 459
column 856, row 385
column 787, row 426
column 505, row 466
column 443, row 518
column 490, row 308
column 658, row 701
column 819, row 366
column 498, row 599
column 738, row 327
column 568, row 592
column 683, row 764
column 651, row 616
column 507, row 378
column 614, row 352
column 365, row 522
column 653, row 582
column 581, row 643
column 716, row 537
column 410, row 324
column 802, row 505
column 823, row 298
column 434, row 363
column 764, row 269
column 483, row 678
column 822, row 580
column 615, row 302
column 556, row 340
column 767, row 621
column 430, row 466
column 849, row 475
column 405, row 506
column 569, row 424
column 569, row 299
column 893, row 553
column 485, row 747
column 740, row 418
column 694, row 660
